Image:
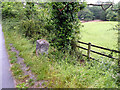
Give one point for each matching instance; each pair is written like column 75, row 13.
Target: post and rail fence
column 89, row 50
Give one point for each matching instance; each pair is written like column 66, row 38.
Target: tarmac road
column 6, row 79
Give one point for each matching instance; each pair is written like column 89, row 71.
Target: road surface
column 6, row 79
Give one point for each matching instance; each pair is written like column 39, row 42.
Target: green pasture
column 100, row 34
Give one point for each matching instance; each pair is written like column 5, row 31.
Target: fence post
column 88, row 52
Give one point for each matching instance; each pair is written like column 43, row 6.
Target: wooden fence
column 89, row 50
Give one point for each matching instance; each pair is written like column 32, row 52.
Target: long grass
column 62, row 70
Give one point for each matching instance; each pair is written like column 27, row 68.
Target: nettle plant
column 66, row 24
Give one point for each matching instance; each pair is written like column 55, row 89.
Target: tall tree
column 85, row 14
column 65, row 23
column 98, row 13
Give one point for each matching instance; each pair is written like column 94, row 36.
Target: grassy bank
column 60, row 70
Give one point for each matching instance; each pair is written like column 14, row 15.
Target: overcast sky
column 93, row 1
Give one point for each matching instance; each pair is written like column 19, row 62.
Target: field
column 100, row 34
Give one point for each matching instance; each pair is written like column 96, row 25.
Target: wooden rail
column 89, row 50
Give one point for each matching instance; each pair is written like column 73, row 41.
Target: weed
column 44, row 83
column 17, row 72
column 22, row 85
column 13, row 61
column 38, row 85
column 31, row 84
column 30, row 80
column 23, row 77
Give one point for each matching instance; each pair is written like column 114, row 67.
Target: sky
column 93, row 1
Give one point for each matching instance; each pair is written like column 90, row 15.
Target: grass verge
column 61, row 70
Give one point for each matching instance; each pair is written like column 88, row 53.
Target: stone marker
column 42, row 46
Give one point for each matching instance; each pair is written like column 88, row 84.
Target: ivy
column 66, row 23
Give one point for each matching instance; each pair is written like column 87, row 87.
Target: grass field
column 100, row 34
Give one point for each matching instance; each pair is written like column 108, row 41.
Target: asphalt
column 6, row 79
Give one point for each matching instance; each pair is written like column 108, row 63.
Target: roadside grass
column 76, row 76
column 27, row 51
column 61, row 70
column 17, row 72
column 100, row 34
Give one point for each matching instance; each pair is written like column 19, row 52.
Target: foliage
column 85, row 15
column 96, row 12
column 65, row 23
column 112, row 15
column 22, row 85
column 11, row 10
column 61, row 70
column 32, row 20
column 35, row 22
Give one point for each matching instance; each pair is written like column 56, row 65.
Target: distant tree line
column 96, row 12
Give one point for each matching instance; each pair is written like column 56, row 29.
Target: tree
column 65, row 23
column 85, row 14
column 35, row 22
column 112, row 15
column 98, row 13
